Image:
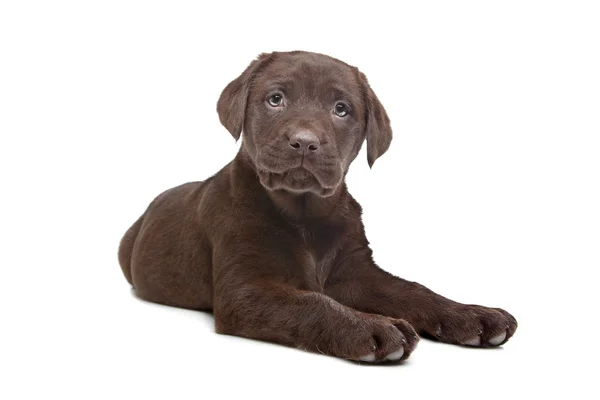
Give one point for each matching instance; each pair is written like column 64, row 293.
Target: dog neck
column 296, row 207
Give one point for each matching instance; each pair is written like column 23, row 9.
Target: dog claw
column 368, row 358
column 496, row 340
column 396, row 355
column 476, row 341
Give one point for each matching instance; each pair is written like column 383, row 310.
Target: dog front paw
column 472, row 325
column 376, row 339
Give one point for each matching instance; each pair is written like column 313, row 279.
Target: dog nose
column 305, row 142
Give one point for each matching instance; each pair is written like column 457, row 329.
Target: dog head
column 304, row 117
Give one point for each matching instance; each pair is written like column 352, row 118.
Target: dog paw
column 472, row 325
column 388, row 340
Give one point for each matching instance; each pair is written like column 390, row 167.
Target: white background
column 495, row 193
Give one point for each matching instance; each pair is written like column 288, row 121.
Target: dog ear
column 378, row 128
column 231, row 106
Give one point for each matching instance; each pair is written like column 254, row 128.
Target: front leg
column 252, row 299
column 358, row 282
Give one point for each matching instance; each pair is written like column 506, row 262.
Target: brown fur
column 274, row 244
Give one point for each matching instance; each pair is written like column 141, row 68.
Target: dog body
column 273, row 244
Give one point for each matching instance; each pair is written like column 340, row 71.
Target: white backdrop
column 494, row 163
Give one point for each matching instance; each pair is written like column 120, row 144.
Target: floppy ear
column 232, row 103
column 378, row 128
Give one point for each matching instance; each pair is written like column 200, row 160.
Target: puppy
column 273, row 244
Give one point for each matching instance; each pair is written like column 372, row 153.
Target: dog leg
column 359, row 283
column 311, row 321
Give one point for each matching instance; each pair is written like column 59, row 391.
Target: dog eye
column 341, row 110
column 276, row 100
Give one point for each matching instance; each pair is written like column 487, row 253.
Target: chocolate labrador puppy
column 274, row 245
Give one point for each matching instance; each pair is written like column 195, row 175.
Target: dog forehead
column 309, row 72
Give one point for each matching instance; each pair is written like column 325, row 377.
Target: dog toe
column 476, row 341
column 368, row 358
column 496, row 340
column 395, row 355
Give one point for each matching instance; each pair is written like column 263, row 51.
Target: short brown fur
column 273, row 244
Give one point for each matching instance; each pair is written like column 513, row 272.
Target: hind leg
column 126, row 248
column 171, row 265
column 165, row 255
column 170, row 258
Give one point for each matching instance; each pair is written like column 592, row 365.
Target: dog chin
column 297, row 180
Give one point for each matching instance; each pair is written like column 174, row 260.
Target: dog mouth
column 295, row 180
